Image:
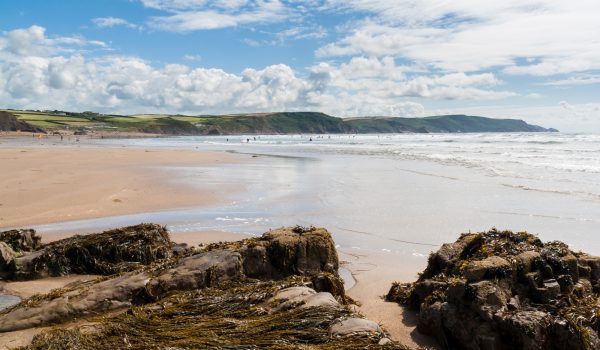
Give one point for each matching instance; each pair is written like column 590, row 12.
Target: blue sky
column 532, row 59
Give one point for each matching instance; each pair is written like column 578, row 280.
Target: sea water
column 398, row 195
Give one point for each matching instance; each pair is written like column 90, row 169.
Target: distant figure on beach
column 61, row 137
column 247, row 140
column 310, row 139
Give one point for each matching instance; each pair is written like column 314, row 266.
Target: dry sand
column 39, row 186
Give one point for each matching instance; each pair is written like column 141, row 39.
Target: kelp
column 106, row 253
column 232, row 316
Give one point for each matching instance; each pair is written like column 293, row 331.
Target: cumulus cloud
column 190, row 15
column 524, row 36
column 41, row 72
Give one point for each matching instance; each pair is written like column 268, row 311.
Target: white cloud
column 37, row 72
column 189, row 15
column 33, row 42
column 177, row 5
column 109, row 22
column 576, row 80
column 558, row 36
column 192, row 58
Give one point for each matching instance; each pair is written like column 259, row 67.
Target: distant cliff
column 275, row 123
column 259, row 123
column 319, row 123
column 441, row 124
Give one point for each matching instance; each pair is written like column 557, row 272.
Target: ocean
column 398, row 196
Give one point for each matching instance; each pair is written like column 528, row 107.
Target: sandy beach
column 60, row 184
column 41, row 185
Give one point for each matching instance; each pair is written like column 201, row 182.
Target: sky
column 538, row 60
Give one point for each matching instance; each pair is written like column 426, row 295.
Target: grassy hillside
column 441, row 124
column 274, row 123
column 264, row 123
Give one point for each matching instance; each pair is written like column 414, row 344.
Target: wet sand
column 373, row 275
column 52, row 185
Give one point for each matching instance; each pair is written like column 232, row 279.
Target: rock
column 550, row 291
column 492, row 267
column 105, row 253
column 384, row 341
column 257, row 263
column 101, row 297
column 507, row 290
column 301, row 251
column 355, row 326
column 593, row 262
column 529, row 261
column 328, row 282
column 448, row 253
column 21, row 240
column 195, row 272
column 489, row 293
column 288, row 251
column 320, row 299
column 7, row 257
column 292, row 293
column 302, row 297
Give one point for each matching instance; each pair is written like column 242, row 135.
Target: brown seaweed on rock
column 507, row 290
column 106, row 253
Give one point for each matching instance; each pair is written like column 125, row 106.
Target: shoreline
column 126, row 168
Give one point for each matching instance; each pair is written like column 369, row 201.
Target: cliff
column 9, row 122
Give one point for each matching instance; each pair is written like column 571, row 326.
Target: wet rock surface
column 277, row 291
column 506, row 290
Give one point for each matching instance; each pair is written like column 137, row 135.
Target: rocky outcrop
column 214, row 297
column 290, row 251
column 106, row 253
column 287, row 251
column 505, row 290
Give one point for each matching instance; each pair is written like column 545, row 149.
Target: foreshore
column 42, row 185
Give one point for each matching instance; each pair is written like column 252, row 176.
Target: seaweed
column 106, row 253
column 231, row 316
